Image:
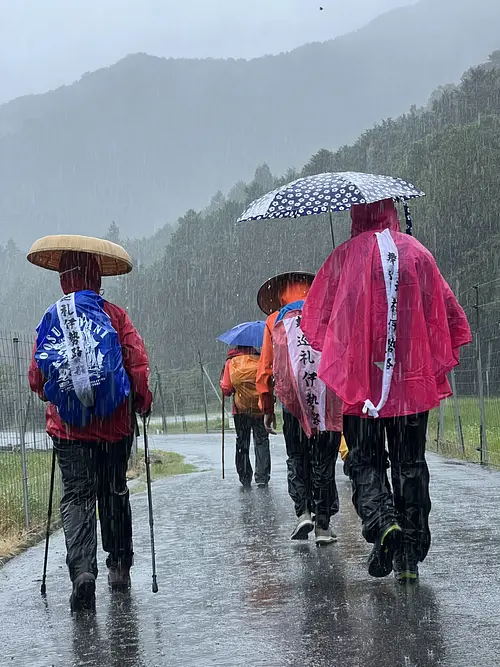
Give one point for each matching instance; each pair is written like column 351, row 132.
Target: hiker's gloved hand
column 270, row 423
column 145, row 415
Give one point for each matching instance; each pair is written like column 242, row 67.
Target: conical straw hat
column 268, row 297
column 113, row 259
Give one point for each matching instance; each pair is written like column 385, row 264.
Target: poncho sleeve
column 457, row 321
column 264, row 381
column 447, row 326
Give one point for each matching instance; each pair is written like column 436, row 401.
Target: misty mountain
column 142, row 141
column 47, row 45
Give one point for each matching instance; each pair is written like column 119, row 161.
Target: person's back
column 238, row 380
column 389, row 329
column 312, row 450
column 243, row 375
column 346, row 316
column 295, row 373
column 93, row 442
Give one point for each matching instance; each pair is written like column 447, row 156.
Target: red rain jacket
column 345, row 317
column 119, row 424
column 135, row 361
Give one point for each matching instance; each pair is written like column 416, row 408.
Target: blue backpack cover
column 80, row 356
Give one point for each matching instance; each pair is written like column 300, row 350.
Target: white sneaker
column 304, row 526
column 324, row 537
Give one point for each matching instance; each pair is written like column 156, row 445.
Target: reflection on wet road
column 235, row 591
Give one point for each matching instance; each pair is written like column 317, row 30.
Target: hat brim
column 47, row 251
column 268, row 297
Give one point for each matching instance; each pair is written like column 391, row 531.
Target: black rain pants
column 311, row 470
column 91, row 470
column 245, row 425
column 408, row 503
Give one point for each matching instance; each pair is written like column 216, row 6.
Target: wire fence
column 188, row 400
column 25, row 448
column 466, row 425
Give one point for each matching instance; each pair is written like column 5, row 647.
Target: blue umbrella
column 248, row 334
column 325, row 193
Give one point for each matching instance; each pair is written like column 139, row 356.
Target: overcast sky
column 46, row 43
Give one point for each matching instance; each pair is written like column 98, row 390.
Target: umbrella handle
column 331, row 227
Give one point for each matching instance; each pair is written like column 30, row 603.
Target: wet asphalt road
column 235, row 591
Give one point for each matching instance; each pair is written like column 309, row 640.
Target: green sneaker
column 381, row 558
column 405, row 568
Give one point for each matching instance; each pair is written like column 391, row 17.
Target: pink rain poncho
column 387, row 323
column 296, row 380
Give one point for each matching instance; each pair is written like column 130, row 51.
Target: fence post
column 183, row 417
column 162, row 402
column 21, row 425
column 483, row 440
column 458, row 422
column 204, row 391
column 174, row 406
column 217, row 394
column 33, row 426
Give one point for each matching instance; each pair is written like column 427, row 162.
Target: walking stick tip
column 154, row 587
column 43, row 590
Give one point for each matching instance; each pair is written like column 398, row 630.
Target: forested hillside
column 212, row 267
column 144, row 140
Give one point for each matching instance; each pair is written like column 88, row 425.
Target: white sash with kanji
column 390, row 266
column 305, row 363
column 75, row 350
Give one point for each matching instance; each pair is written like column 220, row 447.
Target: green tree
column 113, row 233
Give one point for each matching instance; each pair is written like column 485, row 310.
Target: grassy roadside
column 163, row 464
column 14, row 538
column 470, row 422
column 13, row 535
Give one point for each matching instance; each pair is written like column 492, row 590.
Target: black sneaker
column 83, row 595
column 304, row 526
column 262, row 485
column 405, row 568
column 381, row 558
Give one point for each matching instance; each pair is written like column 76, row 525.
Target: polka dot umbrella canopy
column 324, row 193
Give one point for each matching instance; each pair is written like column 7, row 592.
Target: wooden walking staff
column 223, row 435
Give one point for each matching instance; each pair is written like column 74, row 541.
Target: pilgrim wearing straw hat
column 312, row 421
column 91, row 366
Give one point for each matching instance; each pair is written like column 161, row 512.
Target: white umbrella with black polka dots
column 330, row 192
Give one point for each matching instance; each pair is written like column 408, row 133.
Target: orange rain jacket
column 265, row 384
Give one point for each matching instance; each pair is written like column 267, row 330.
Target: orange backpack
column 243, row 374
